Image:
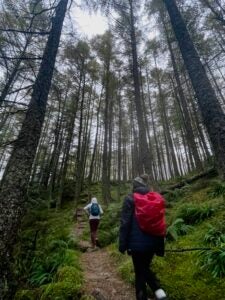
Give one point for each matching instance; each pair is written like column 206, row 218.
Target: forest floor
column 102, row 281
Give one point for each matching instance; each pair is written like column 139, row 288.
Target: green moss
column 27, row 295
column 70, row 274
column 182, row 278
column 64, row 290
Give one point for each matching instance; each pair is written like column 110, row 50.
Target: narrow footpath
column 102, row 281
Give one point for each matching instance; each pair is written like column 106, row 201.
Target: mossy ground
column 46, row 257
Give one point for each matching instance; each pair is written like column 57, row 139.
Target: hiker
column 94, row 210
column 137, row 241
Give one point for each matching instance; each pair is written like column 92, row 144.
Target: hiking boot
column 160, row 294
column 141, row 295
column 97, row 243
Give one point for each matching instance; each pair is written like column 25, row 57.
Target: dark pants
column 93, row 228
column 143, row 274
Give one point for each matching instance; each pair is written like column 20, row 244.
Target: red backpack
column 150, row 213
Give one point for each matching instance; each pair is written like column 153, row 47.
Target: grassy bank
column 46, row 257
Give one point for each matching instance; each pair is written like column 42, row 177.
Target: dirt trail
column 101, row 279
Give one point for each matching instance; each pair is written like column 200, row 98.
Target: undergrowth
column 46, row 257
column 213, row 260
column 47, row 262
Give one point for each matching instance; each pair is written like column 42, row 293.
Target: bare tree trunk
column 119, row 146
column 16, row 178
column 145, row 159
column 78, row 163
column 215, row 82
column 213, row 116
column 165, row 124
column 154, row 130
column 93, row 158
column 187, row 121
column 105, row 179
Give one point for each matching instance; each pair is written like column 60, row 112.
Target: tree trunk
column 213, row 116
column 93, row 158
column 16, row 178
column 145, row 159
column 154, row 130
column 187, row 120
column 105, row 179
column 78, row 163
column 164, row 119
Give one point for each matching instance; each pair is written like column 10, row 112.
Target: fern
column 217, row 190
column 177, row 228
column 193, row 214
column 213, row 260
column 214, row 236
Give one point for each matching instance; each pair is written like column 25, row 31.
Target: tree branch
column 19, row 103
column 8, row 143
column 188, row 249
column 15, row 111
column 210, row 172
column 20, row 89
column 25, row 32
column 22, row 58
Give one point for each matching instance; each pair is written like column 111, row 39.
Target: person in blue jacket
column 140, row 245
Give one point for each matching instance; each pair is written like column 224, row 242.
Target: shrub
column 108, row 237
column 68, row 191
column 193, row 214
column 126, row 271
column 218, row 189
column 70, row 274
column 110, row 223
column 61, row 291
column 44, row 269
column 40, row 275
column 26, row 295
column 178, row 227
column 177, row 194
column 215, row 236
column 213, row 260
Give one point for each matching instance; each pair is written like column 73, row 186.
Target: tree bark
column 145, row 159
column 16, row 178
column 105, row 179
column 187, row 120
column 213, row 116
